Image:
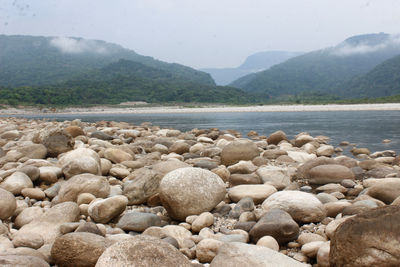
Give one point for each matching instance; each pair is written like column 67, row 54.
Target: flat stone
column 138, row 221
column 246, row 255
column 257, row 192
column 303, row 207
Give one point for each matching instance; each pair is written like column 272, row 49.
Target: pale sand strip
column 177, row 109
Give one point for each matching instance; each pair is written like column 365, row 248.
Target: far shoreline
column 206, row 109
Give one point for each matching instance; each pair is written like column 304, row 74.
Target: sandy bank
column 179, row 109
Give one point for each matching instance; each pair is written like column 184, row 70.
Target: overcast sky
column 203, row 33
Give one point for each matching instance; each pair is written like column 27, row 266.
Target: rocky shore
column 115, row 194
column 197, row 109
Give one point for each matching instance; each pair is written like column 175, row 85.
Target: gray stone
column 278, row 224
column 138, row 221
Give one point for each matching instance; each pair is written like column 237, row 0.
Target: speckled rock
column 190, row 191
column 303, row 207
column 142, row 251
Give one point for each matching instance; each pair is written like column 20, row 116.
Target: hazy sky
column 203, row 33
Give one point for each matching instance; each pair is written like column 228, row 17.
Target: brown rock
column 387, row 191
column 74, row 131
column 304, row 170
column 8, row 204
column 22, row 261
column 57, row 141
column 276, row 137
column 145, row 184
column 143, row 251
column 239, row 150
column 179, row 148
column 117, row 155
column 84, row 183
column 330, row 173
column 78, row 249
column 368, row 239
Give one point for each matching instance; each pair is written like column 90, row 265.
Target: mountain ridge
column 253, row 63
column 325, row 70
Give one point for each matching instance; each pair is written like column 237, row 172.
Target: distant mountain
column 34, row 60
column 327, row 70
column 383, row 80
column 254, row 63
column 123, row 81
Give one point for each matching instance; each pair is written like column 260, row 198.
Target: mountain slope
column 31, row 60
column 254, row 63
column 123, row 81
column 383, row 80
column 326, row 70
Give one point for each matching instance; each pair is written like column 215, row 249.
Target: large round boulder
column 78, row 249
column 81, row 160
column 84, row 183
column 238, row 150
column 330, row 173
column 368, row 239
column 142, row 250
column 8, row 204
column 303, row 207
column 190, row 191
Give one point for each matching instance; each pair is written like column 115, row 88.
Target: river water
column 363, row 128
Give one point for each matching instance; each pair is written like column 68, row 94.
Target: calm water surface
column 364, row 128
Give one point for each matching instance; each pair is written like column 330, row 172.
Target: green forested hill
column 31, row 60
column 123, row 81
column 324, row 71
column 383, row 80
